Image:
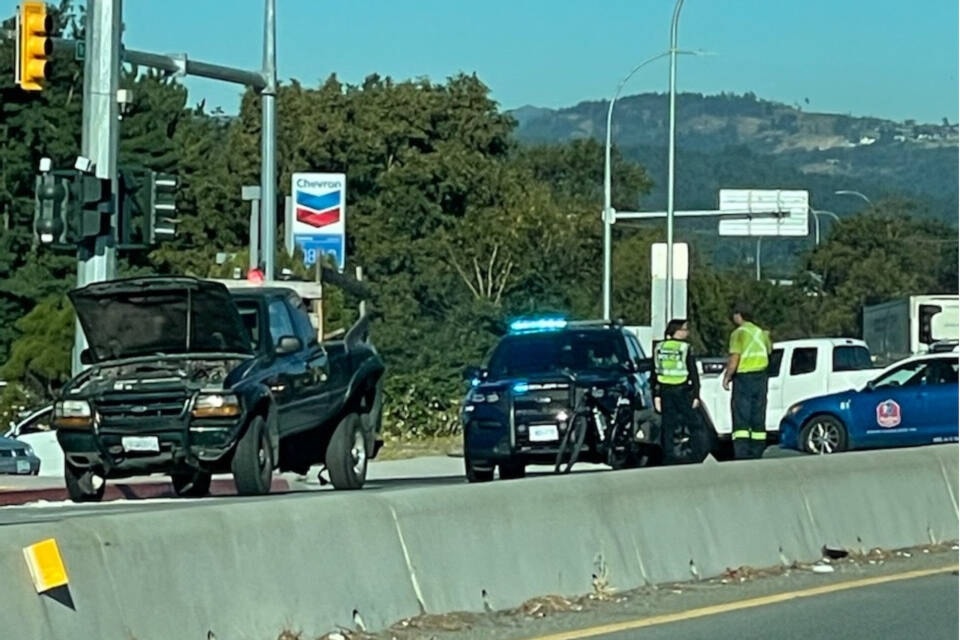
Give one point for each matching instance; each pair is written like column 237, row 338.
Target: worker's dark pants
column 677, row 412
column 748, row 404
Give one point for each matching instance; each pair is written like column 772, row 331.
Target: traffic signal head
column 34, row 45
column 162, row 222
column 52, row 208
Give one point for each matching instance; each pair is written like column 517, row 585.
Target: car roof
column 820, row 342
column 261, row 292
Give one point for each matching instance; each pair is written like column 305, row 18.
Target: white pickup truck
column 799, row 369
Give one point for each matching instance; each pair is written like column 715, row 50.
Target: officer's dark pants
column 676, row 411
column 748, row 404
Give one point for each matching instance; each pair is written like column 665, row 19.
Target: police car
column 520, row 402
column 911, row 402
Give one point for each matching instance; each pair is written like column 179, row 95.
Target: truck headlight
column 216, row 405
column 72, row 414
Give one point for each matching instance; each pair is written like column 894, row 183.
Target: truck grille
column 119, row 408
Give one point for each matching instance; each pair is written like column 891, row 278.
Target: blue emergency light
column 537, row 324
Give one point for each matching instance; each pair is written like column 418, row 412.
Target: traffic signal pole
column 97, row 260
column 103, row 56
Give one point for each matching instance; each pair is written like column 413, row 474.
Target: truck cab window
column 280, row 323
column 803, row 361
column 301, row 319
column 851, row 358
column 250, row 315
column 776, row 359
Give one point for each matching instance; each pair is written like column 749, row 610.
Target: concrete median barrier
column 250, row 569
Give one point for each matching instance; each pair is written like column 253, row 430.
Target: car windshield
column 533, row 353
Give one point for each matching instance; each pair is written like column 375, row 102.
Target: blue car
column 912, row 402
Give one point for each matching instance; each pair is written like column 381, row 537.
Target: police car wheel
column 476, row 475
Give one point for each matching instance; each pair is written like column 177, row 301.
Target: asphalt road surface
column 391, row 475
column 896, row 595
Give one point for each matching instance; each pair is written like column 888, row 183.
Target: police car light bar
column 538, row 324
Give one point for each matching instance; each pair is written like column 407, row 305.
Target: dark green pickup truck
column 190, row 378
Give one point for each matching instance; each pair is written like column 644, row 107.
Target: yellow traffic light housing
column 34, row 45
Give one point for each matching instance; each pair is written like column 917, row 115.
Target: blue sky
column 888, row 58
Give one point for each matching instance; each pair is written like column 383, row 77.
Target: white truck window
column 803, row 361
column 774, row 366
column 851, row 358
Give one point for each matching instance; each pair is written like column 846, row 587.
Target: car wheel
column 512, row 470
column 477, row 475
column 347, row 453
column 252, row 463
column 80, row 485
column 191, row 484
column 822, row 435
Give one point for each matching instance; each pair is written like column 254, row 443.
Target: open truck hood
column 159, row 315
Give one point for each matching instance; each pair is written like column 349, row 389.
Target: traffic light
column 71, row 208
column 162, row 222
column 90, row 216
column 52, row 207
column 34, row 45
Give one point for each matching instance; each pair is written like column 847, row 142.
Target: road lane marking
column 690, row 614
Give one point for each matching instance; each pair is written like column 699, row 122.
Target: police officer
column 676, row 390
column 746, row 369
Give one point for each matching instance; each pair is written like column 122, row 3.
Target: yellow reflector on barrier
column 46, row 565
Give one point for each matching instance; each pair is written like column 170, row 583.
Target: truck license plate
column 544, row 433
column 23, row 466
column 141, row 443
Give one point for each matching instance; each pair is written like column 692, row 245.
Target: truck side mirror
column 644, row 365
column 288, row 344
column 86, row 357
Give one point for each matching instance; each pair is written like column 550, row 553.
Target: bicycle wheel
column 571, row 444
column 620, row 454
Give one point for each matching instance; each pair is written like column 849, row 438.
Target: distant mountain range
column 741, row 141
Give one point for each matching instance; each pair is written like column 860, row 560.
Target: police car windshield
column 534, row 353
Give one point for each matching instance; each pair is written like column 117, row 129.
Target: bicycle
column 611, row 432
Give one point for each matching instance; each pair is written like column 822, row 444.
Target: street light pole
column 607, row 199
column 608, row 213
column 816, row 221
column 671, row 156
column 848, row 192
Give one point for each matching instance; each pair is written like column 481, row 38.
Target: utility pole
column 268, row 138
column 100, row 138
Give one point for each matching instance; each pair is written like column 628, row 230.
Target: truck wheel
column 347, row 454
column 191, row 484
column 822, row 435
column 252, row 463
column 80, row 484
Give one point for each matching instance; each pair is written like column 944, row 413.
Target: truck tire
column 347, row 453
column 80, row 484
column 191, row 484
column 252, row 463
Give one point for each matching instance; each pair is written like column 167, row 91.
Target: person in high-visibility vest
column 747, row 363
column 676, row 391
